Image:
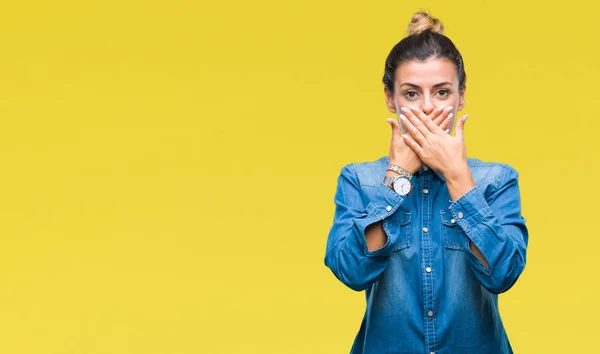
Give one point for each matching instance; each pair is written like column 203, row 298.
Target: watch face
column 402, row 185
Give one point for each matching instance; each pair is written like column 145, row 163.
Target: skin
column 426, row 99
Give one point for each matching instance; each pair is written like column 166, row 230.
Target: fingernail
column 440, row 108
column 450, row 115
column 465, row 118
column 404, row 109
column 413, row 107
column 449, row 108
column 402, row 117
column 447, row 131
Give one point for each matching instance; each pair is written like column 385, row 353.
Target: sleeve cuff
column 470, row 209
column 381, row 207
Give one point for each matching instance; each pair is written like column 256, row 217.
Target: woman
column 431, row 235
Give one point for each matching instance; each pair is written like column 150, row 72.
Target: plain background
column 169, row 167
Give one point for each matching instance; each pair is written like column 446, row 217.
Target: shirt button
column 432, row 353
column 428, row 270
column 425, row 229
column 430, row 313
column 460, row 215
column 425, row 190
column 426, row 168
column 453, row 221
column 388, row 208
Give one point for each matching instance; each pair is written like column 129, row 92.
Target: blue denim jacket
column 426, row 291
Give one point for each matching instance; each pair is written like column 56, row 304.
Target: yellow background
column 168, row 167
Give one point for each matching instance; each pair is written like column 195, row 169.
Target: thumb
column 460, row 127
column 395, row 127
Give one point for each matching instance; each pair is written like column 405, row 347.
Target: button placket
column 427, row 257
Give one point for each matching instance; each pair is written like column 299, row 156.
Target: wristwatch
column 399, row 184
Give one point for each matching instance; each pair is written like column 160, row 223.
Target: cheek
column 402, row 101
column 452, row 101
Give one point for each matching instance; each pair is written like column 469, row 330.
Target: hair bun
column 422, row 21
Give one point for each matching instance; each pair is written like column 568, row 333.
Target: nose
column 428, row 106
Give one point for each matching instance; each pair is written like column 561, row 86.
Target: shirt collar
column 422, row 170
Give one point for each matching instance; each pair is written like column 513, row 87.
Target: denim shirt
column 426, row 291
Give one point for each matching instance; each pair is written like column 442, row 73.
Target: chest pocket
column 454, row 236
column 398, row 225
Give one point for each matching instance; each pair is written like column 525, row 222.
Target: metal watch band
column 388, row 180
column 399, row 170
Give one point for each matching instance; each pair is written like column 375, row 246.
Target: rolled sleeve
column 496, row 227
column 347, row 253
column 380, row 208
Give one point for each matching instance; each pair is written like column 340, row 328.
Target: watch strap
column 399, row 170
column 388, row 180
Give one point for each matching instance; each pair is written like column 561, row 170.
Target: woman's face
column 426, row 85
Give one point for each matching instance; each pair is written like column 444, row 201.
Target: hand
column 433, row 145
column 400, row 153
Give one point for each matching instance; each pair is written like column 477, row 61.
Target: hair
column 425, row 40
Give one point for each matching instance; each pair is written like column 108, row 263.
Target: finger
column 416, row 122
column 426, row 122
column 417, row 112
column 443, row 115
column 396, row 131
column 460, row 127
column 410, row 141
column 435, row 116
column 410, row 128
column 446, row 124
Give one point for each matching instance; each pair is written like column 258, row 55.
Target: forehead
column 426, row 73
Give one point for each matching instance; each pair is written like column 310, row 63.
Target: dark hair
column 425, row 40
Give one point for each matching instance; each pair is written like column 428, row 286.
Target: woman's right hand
column 400, row 153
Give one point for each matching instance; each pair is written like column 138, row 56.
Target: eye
column 410, row 95
column 444, row 92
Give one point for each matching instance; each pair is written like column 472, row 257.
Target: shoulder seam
column 506, row 169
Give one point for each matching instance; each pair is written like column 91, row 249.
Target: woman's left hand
column 435, row 147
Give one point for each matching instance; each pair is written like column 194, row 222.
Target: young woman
column 432, row 235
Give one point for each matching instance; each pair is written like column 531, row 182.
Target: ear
column 389, row 100
column 461, row 99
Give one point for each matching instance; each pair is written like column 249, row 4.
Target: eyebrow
column 417, row 86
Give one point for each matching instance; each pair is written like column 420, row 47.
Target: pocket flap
column 447, row 218
column 401, row 217
column 397, row 226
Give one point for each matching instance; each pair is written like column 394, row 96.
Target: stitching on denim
column 341, row 174
column 479, row 263
column 402, row 225
column 479, row 217
column 447, row 231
